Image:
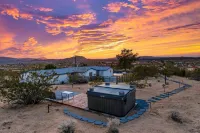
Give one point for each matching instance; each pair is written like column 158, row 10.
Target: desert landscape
column 35, row 119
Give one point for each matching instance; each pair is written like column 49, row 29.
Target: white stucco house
column 62, row 74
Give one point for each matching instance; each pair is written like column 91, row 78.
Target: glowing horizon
column 99, row 29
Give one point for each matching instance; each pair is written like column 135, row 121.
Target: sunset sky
column 99, row 28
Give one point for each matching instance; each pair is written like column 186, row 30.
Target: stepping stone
column 130, row 118
column 163, row 97
column 156, row 98
column 140, row 112
column 73, row 115
column 163, row 94
column 104, row 124
column 77, row 117
column 122, row 118
column 90, row 121
column 98, row 122
column 173, row 92
column 66, row 112
column 124, row 121
column 84, row 119
column 136, row 115
column 152, row 100
column 143, row 110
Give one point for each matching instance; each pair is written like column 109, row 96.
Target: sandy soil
column 35, row 119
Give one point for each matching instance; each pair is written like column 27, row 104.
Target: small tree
column 168, row 69
column 126, row 58
column 32, row 89
column 144, row 72
column 50, row 66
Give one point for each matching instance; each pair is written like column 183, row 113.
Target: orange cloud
column 106, row 23
column 26, row 16
column 54, row 25
column 116, row 6
column 30, row 42
column 6, row 38
column 11, row 11
column 16, row 13
column 43, row 9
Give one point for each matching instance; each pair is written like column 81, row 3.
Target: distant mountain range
column 8, row 60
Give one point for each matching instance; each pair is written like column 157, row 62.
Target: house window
column 90, row 74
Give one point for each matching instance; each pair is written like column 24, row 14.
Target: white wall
column 59, row 78
column 107, row 73
column 87, row 74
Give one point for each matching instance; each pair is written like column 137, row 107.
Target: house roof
column 70, row 70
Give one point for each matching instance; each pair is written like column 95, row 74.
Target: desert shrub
column 50, row 66
column 195, row 75
column 150, row 84
column 67, row 127
column 96, row 81
column 175, row 116
column 16, row 89
column 164, row 85
column 73, row 78
column 141, row 86
column 158, row 80
column 113, row 125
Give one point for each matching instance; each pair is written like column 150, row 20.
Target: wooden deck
column 79, row 101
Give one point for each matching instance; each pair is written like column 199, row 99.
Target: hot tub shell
column 110, row 99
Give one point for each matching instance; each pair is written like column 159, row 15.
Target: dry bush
column 68, row 126
column 113, row 125
column 175, row 116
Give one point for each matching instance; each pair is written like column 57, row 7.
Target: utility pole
column 75, row 60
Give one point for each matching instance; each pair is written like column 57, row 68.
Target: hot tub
column 112, row 99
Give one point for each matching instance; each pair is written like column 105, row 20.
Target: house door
column 97, row 73
column 90, row 74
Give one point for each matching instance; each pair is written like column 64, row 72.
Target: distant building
column 62, row 74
